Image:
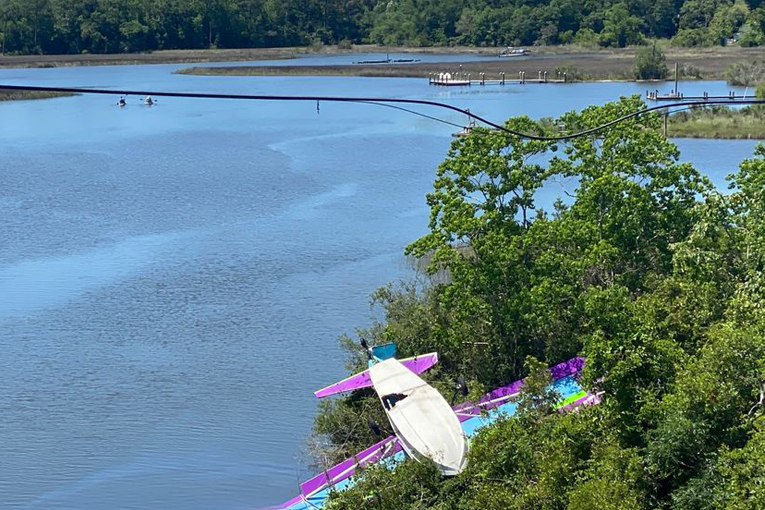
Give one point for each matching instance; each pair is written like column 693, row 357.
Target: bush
column 317, row 44
column 688, row 38
column 650, row 64
column 689, row 71
column 745, row 74
column 572, row 73
column 566, row 37
column 760, row 91
column 587, row 38
column 345, row 44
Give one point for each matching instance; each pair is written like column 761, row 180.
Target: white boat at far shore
column 514, row 52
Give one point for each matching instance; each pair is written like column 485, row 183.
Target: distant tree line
column 101, row 26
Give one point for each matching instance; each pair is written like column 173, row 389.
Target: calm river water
column 173, row 279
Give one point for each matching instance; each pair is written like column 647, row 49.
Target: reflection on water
column 172, row 278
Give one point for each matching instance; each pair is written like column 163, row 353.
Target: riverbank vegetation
column 26, row 95
column 718, row 122
column 577, row 63
column 645, row 268
column 113, row 26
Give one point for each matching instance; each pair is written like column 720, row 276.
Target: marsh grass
column 719, row 122
column 26, row 95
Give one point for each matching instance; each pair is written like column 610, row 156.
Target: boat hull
column 422, row 419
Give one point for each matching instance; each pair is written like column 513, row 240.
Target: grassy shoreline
column 718, row 123
column 225, row 55
column 583, row 64
column 589, row 64
column 28, row 95
column 156, row 57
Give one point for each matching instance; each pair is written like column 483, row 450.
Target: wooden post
column 676, row 89
column 545, row 75
column 565, row 78
column 503, row 78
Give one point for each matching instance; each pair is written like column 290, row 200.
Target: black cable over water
column 387, row 101
column 413, row 112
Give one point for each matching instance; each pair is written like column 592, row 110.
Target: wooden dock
column 460, row 79
column 676, row 96
column 653, row 95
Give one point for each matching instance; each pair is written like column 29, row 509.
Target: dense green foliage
column 101, row 26
column 650, row 64
column 647, row 270
column 720, row 122
column 745, row 74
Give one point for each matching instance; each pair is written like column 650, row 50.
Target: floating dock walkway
column 461, row 79
column 653, row 95
column 676, row 96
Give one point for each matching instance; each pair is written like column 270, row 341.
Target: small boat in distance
column 514, row 52
column 467, row 129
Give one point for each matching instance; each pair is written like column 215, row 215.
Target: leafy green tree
column 614, row 481
column 698, row 13
column 688, row 38
column 742, row 474
column 621, row 28
column 537, row 399
column 56, row 26
column 650, row 64
column 727, row 20
column 486, row 182
column 752, row 32
column 649, row 272
column 661, row 18
column 747, row 74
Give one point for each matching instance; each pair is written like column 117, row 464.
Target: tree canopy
column 113, row 26
column 645, row 268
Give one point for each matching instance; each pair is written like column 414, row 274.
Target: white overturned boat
column 422, row 419
column 424, row 423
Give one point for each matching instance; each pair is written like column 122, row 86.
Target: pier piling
column 460, row 78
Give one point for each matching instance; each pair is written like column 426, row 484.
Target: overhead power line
column 383, row 101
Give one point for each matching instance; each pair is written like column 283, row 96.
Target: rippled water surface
column 173, row 278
